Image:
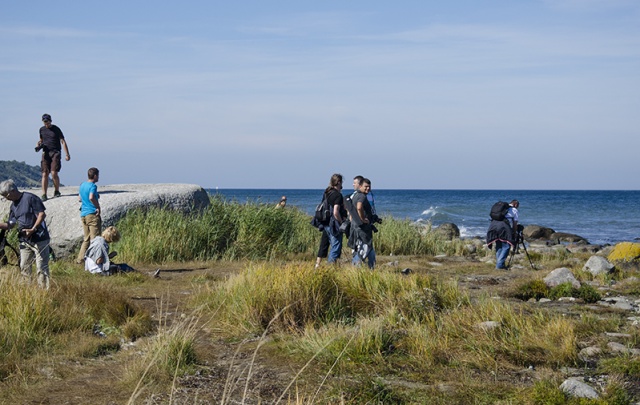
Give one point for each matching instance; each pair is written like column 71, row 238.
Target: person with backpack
column 502, row 230
column 331, row 241
column 512, row 214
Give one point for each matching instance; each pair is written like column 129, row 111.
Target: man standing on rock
column 27, row 211
column 89, row 211
column 51, row 142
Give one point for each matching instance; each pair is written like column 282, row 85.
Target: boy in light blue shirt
column 89, row 211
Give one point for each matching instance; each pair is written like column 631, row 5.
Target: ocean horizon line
column 429, row 189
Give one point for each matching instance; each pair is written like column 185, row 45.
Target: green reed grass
column 254, row 231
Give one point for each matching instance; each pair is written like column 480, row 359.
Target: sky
column 424, row 94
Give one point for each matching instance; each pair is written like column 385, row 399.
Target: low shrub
column 621, row 365
column 588, row 294
column 563, row 290
column 533, row 289
column 546, row 392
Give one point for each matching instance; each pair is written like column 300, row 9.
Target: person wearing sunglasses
column 51, row 143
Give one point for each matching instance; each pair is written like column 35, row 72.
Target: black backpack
column 499, row 211
column 323, row 211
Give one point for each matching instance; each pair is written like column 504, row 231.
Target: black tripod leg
column 528, row 257
column 513, row 253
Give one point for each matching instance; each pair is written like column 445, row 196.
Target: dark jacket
column 500, row 230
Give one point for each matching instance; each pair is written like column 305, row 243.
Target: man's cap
column 46, row 117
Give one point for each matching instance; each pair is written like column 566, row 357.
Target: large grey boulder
column 560, row 276
column 63, row 215
column 598, row 265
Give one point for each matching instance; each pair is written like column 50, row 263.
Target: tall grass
column 166, row 356
column 230, row 230
column 356, row 321
column 32, row 318
column 313, row 297
column 224, row 230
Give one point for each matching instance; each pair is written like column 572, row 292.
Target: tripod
column 520, row 241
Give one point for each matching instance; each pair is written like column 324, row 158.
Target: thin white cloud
column 590, row 5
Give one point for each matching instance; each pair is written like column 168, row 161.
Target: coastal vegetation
column 230, row 231
column 23, row 174
column 240, row 314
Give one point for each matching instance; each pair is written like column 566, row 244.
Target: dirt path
column 98, row 380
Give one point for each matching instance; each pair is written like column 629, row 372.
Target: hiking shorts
column 51, row 161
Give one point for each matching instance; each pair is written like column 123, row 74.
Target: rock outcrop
column 448, row 231
column 63, row 216
column 537, row 232
column 625, row 252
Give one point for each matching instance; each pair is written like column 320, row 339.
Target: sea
column 601, row 217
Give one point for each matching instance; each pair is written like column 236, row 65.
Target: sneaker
column 44, row 197
column 56, row 194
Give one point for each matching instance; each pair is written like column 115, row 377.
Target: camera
column 376, row 219
column 41, row 147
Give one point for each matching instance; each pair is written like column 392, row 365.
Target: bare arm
column 336, row 213
column 66, row 148
column 39, row 219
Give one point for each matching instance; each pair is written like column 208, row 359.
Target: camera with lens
column 41, row 147
column 376, row 219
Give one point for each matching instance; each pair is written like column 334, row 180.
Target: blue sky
column 532, row 94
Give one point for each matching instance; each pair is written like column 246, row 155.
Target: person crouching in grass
column 97, row 259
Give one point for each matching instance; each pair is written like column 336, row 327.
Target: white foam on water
column 431, row 212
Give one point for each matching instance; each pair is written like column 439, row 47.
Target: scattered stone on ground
column 560, row 276
column 598, row 265
column 575, row 387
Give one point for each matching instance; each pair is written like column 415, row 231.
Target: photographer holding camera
column 51, row 143
column 363, row 234
column 27, row 212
